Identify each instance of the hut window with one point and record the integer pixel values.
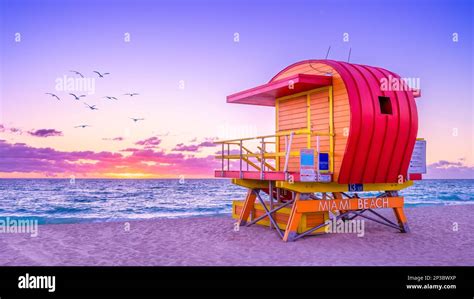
(385, 105)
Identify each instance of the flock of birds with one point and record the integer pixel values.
(94, 107)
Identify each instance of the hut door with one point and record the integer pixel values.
(292, 115)
(319, 116)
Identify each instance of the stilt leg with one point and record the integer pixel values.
(270, 195)
(293, 221)
(248, 206)
(402, 220)
(338, 195)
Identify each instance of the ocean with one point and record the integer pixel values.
(97, 200)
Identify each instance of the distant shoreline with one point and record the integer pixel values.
(68, 178)
(177, 178)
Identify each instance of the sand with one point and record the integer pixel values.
(211, 241)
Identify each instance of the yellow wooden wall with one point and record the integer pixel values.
(291, 115)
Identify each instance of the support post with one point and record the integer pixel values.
(228, 154)
(317, 153)
(287, 156)
(331, 130)
(399, 214)
(338, 195)
(248, 161)
(240, 173)
(262, 160)
(248, 206)
(293, 221)
(222, 169)
(402, 220)
(270, 194)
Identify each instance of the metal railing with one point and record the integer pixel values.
(262, 157)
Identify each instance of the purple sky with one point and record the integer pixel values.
(183, 60)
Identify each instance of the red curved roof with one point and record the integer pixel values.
(379, 146)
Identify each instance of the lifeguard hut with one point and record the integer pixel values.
(341, 130)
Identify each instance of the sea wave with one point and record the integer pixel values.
(89, 200)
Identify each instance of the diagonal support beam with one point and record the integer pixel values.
(385, 221)
(382, 217)
(355, 214)
(378, 221)
(309, 231)
(269, 215)
(271, 212)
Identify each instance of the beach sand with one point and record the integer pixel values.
(211, 241)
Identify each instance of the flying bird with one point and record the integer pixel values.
(111, 98)
(131, 94)
(77, 97)
(136, 119)
(82, 126)
(101, 75)
(93, 107)
(77, 73)
(54, 96)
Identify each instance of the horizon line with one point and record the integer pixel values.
(178, 178)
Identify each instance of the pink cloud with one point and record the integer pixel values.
(180, 147)
(231, 152)
(21, 158)
(449, 170)
(207, 143)
(114, 139)
(45, 133)
(445, 164)
(12, 130)
(130, 149)
(149, 142)
(16, 131)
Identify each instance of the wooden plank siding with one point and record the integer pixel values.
(292, 115)
(320, 119)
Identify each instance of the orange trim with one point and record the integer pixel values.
(294, 220)
(400, 214)
(349, 204)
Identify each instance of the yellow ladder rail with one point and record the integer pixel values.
(259, 159)
(251, 163)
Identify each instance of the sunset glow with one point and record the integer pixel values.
(163, 103)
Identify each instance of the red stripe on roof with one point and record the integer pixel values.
(265, 95)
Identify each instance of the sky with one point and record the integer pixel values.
(184, 57)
